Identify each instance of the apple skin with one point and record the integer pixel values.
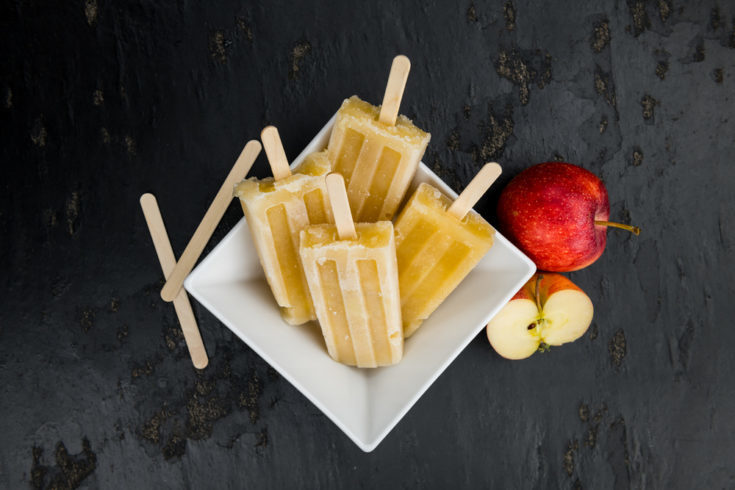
(549, 212)
(548, 285)
(565, 314)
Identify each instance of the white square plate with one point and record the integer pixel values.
(365, 403)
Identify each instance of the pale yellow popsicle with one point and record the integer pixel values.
(435, 251)
(354, 286)
(377, 155)
(277, 211)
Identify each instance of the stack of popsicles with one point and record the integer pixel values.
(329, 249)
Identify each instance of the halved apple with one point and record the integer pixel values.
(548, 310)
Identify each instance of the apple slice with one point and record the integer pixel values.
(548, 310)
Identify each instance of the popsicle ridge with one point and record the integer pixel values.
(338, 338)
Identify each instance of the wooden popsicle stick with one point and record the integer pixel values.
(275, 152)
(210, 221)
(475, 190)
(394, 90)
(168, 261)
(340, 207)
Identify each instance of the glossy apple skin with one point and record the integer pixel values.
(550, 283)
(549, 212)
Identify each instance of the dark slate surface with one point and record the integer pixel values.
(102, 101)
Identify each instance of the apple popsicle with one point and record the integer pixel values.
(376, 150)
(438, 242)
(277, 209)
(353, 279)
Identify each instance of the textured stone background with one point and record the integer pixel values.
(101, 101)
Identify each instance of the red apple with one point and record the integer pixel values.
(557, 213)
(548, 310)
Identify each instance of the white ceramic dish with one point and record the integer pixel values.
(365, 403)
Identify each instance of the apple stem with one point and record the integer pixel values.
(537, 297)
(633, 229)
(536, 293)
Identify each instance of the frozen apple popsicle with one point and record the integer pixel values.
(438, 242)
(277, 209)
(353, 279)
(376, 150)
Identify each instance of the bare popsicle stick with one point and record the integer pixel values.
(394, 90)
(475, 190)
(210, 221)
(168, 261)
(340, 207)
(274, 150)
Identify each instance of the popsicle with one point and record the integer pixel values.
(438, 242)
(376, 150)
(277, 208)
(353, 279)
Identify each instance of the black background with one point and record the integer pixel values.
(101, 101)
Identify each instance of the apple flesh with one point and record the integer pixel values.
(557, 214)
(548, 310)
